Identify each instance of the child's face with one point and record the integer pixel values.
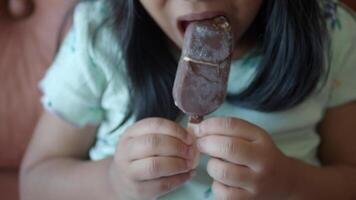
(173, 15)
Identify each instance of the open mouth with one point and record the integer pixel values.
(184, 21)
(183, 25)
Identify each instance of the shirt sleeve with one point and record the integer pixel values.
(73, 85)
(343, 60)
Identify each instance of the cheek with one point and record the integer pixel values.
(251, 9)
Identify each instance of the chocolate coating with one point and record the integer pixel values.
(201, 80)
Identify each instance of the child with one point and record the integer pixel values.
(111, 130)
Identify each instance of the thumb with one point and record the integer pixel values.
(193, 124)
(193, 128)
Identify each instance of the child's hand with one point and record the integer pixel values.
(153, 157)
(245, 164)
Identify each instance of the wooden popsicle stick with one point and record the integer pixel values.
(192, 124)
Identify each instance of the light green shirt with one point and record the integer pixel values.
(87, 84)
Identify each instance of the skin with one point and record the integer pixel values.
(241, 14)
(245, 163)
(161, 162)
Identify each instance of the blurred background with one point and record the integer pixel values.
(28, 39)
(29, 32)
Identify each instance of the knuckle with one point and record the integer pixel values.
(229, 148)
(228, 123)
(153, 167)
(152, 140)
(166, 185)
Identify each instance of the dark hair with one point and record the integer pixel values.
(293, 42)
(151, 67)
(294, 46)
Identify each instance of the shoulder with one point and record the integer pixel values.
(88, 17)
(87, 63)
(341, 20)
(342, 69)
(92, 11)
(342, 28)
(95, 35)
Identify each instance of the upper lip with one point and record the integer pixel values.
(196, 17)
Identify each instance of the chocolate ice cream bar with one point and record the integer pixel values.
(201, 80)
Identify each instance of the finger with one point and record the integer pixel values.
(158, 145)
(222, 192)
(230, 127)
(230, 174)
(158, 126)
(163, 185)
(232, 149)
(157, 167)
